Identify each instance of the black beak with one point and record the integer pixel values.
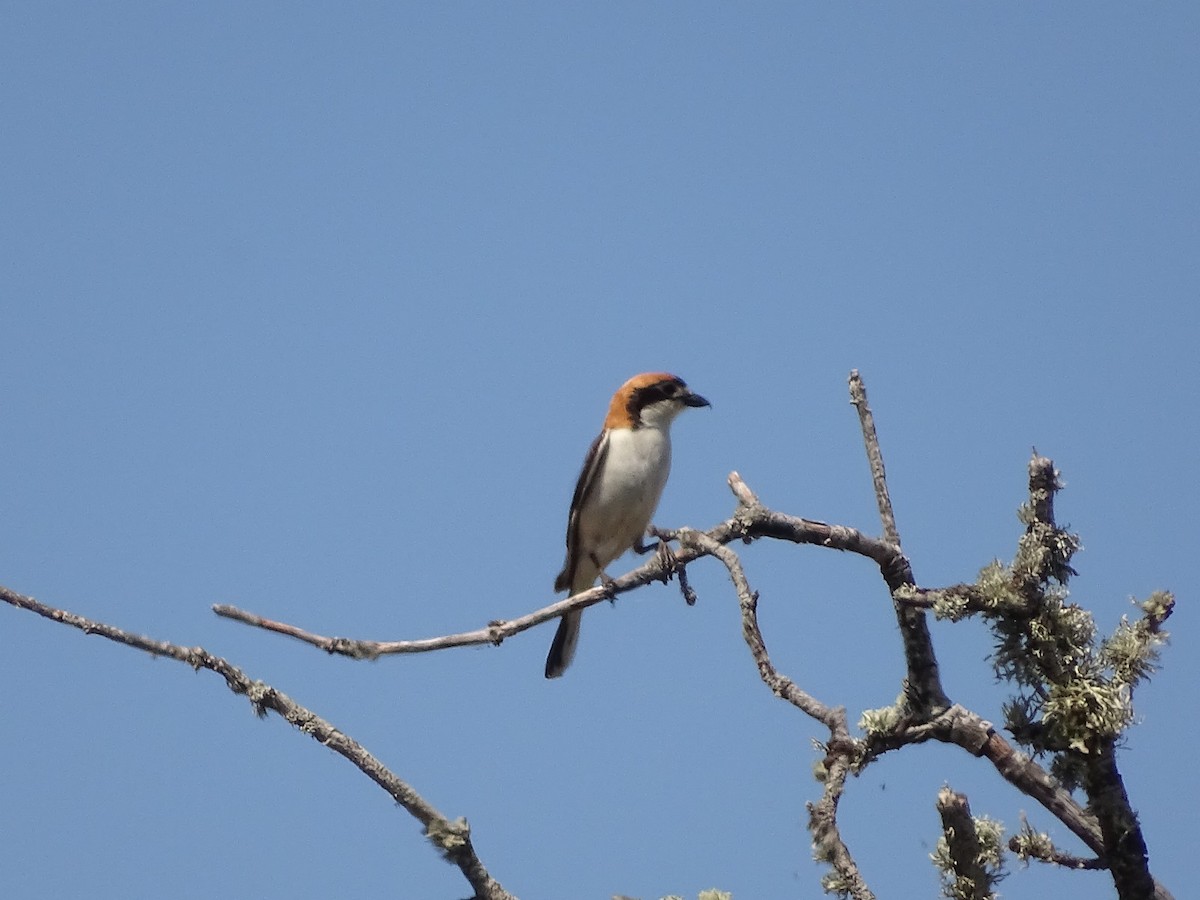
(695, 400)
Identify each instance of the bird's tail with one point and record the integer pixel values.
(562, 650)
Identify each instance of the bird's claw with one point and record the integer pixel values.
(666, 556)
(607, 582)
(666, 559)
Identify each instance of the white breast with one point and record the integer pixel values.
(626, 495)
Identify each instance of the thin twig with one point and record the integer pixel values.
(452, 838)
(858, 397)
(923, 686)
(828, 845)
(493, 633)
(833, 718)
(752, 520)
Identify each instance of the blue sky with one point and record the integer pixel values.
(314, 310)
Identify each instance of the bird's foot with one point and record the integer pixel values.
(607, 582)
(666, 556)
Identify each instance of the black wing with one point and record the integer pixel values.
(583, 488)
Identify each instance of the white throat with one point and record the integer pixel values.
(660, 414)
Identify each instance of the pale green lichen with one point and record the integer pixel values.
(950, 606)
(879, 722)
(882, 721)
(449, 837)
(1132, 651)
(1030, 844)
(835, 884)
(990, 859)
(1073, 692)
(996, 586)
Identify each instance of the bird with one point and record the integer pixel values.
(618, 490)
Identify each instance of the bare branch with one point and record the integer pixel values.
(751, 521)
(451, 838)
(828, 845)
(858, 397)
(685, 588)
(923, 686)
(781, 686)
(494, 633)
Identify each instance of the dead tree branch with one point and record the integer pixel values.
(923, 686)
(752, 520)
(966, 852)
(451, 838)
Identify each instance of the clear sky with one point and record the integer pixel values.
(315, 308)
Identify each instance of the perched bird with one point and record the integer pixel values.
(618, 490)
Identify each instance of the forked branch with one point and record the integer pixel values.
(451, 838)
(923, 686)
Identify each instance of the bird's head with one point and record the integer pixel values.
(652, 399)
